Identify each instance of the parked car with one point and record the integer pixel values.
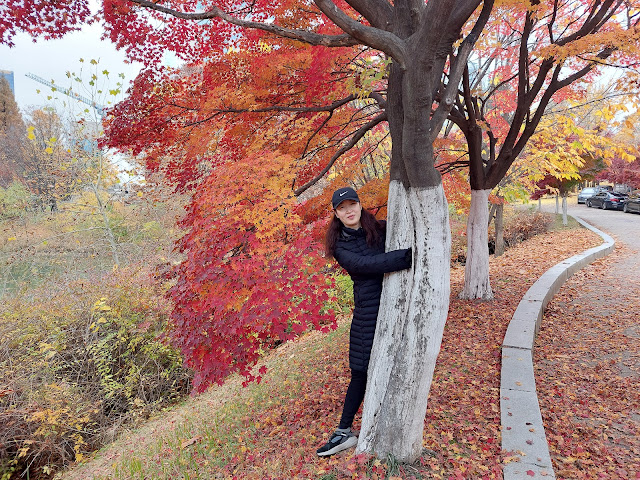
(606, 199)
(632, 202)
(586, 193)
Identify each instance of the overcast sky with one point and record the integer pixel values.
(52, 59)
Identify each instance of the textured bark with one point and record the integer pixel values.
(414, 304)
(564, 209)
(413, 311)
(476, 269)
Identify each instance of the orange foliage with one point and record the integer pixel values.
(251, 278)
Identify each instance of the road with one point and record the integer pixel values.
(624, 226)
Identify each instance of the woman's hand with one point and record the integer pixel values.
(408, 256)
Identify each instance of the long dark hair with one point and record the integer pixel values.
(372, 227)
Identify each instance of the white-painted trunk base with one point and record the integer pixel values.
(476, 269)
(413, 311)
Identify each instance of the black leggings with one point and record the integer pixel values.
(353, 398)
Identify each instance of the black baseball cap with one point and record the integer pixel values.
(342, 194)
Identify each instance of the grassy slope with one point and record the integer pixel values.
(271, 430)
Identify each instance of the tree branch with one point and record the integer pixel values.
(357, 136)
(594, 22)
(275, 108)
(306, 36)
(377, 12)
(374, 37)
(458, 64)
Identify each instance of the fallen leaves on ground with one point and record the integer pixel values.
(276, 433)
(587, 361)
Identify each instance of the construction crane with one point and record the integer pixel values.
(69, 92)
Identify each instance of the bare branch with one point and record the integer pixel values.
(374, 37)
(357, 136)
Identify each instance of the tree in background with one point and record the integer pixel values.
(624, 168)
(87, 168)
(534, 55)
(622, 172)
(61, 160)
(557, 186)
(45, 156)
(12, 135)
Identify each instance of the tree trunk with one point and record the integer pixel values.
(415, 302)
(499, 229)
(564, 209)
(413, 311)
(557, 209)
(476, 269)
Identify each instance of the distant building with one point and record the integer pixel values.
(9, 76)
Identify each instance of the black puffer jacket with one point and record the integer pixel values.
(366, 265)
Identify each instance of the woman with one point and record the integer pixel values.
(356, 239)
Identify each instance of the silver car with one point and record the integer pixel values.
(586, 193)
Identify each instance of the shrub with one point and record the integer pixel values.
(76, 364)
(521, 225)
(13, 200)
(343, 294)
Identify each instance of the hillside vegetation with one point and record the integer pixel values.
(82, 344)
(271, 430)
(84, 357)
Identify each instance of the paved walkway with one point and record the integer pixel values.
(587, 359)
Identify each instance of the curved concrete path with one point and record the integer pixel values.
(522, 428)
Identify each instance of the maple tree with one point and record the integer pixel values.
(622, 172)
(553, 185)
(534, 55)
(239, 156)
(47, 18)
(420, 56)
(262, 284)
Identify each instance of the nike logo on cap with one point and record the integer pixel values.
(341, 194)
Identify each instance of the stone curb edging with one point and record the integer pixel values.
(522, 428)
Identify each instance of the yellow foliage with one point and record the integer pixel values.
(64, 373)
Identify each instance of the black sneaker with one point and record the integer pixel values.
(339, 441)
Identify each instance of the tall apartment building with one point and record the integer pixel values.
(9, 76)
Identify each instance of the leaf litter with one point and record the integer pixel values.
(271, 430)
(587, 362)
